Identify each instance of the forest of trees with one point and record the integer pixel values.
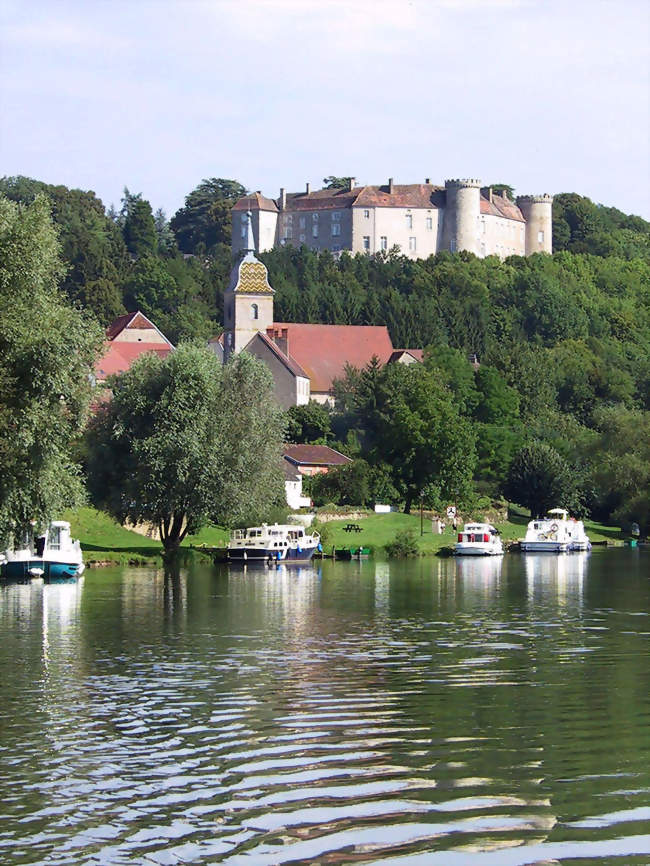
(563, 341)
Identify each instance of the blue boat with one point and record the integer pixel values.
(53, 555)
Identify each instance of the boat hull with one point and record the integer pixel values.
(22, 568)
(469, 549)
(261, 554)
(544, 546)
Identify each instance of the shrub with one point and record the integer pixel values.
(404, 545)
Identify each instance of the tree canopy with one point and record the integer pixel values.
(185, 441)
(47, 352)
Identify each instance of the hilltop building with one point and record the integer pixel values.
(421, 219)
(304, 359)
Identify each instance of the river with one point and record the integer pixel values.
(490, 712)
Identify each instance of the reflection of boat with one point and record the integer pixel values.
(51, 555)
(352, 552)
(479, 568)
(478, 539)
(555, 533)
(276, 543)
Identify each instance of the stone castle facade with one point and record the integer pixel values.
(420, 219)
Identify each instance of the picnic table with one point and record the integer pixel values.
(352, 527)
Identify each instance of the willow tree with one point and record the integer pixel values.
(185, 442)
(47, 352)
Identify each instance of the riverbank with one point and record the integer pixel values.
(105, 542)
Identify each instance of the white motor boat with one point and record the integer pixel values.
(54, 554)
(556, 533)
(478, 539)
(275, 543)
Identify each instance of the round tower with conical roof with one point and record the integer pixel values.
(462, 212)
(537, 210)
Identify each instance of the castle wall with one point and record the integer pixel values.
(414, 230)
(501, 237)
(327, 229)
(264, 224)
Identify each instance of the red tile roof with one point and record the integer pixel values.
(131, 320)
(322, 199)
(255, 201)
(418, 195)
(118, 357)
(323, 350)
(314, 455)
(418, 354)
(501, 207)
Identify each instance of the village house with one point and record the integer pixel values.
(314, 459)
(420, 219)
(127, 338)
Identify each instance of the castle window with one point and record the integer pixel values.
(429, 223)
(366, 243)
(484, 227)
(288, 233)
(302, 239)
(314, 230)
(452, 245)
(336, 216)
(383, 242)
(302, 222)
(289, 218)
(412, 244)
(243, 230)
(336, 229)
(409, 221)
(540, 237)
(366, 214)
(314, 217)
(336, 248)
(255, 313)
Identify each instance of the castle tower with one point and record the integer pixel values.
(462, 212)
(248, 300)
(537, 210)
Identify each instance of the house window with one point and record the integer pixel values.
(314, 230)
(302, 222)
(540, 237)
(336, 229)
(336, 216)
(366, 242)
(255, 313)
(412, 244)
(409, 221)
(383, 242)
(366, 214)
(429, 223)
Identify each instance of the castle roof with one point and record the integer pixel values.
(502, 207)
(414, 195)
(256, 201)
(323, 351)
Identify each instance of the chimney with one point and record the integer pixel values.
(282, 340)
(307, 188)
(283, 198)
(504, 193)
(427, 180)
(390, 185)
(351, 183)
(490, 195)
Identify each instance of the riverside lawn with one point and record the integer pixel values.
(103, 540)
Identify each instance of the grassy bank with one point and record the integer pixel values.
(104, 541)
(379, 529)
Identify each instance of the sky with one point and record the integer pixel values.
(156, 95)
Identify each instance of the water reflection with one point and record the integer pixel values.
(469, 712)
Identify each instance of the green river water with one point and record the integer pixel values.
(491, 712)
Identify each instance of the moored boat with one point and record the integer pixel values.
(478, 539)
(555, 533)
(52, 555)
(275, 543)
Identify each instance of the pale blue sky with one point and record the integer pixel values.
(157, 94)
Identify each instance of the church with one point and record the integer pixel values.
(304, 359)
